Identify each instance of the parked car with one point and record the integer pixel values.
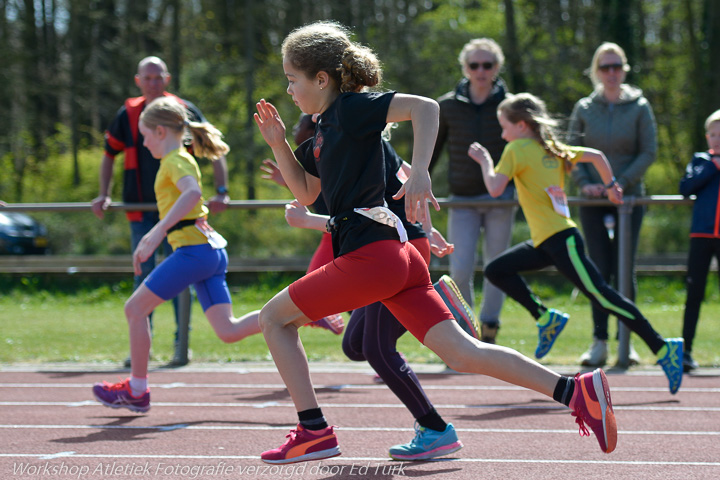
(21, 235)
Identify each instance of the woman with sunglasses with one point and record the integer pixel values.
(617, 119)
(467, 115)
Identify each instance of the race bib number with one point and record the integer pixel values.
(215, 240)
(385, 216)
(559, 200)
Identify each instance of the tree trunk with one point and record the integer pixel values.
(712, 71)
(75, 67)
(517, 80)
(175, 46)
(250, 173)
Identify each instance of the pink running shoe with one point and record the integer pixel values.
(303, 445)
(119, 395)
(591, 405)
(334, 323)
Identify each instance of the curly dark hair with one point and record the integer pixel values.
(326, 47)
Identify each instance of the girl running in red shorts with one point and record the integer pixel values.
(373, 260)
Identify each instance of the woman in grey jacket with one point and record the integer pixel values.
(617, 119)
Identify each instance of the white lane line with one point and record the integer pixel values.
(549, 406)
(275, 386)
(184, 426)
(53, 456)
(383, 460)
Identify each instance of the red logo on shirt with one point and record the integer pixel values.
(318, 145)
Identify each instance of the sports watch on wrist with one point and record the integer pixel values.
(222, 190)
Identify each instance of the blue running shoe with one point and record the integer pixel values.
(450, 293)
(550, 324)
(427, 444)
(670, 358)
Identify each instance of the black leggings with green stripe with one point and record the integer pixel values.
(566, 251)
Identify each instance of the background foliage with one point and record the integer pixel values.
(68, 65)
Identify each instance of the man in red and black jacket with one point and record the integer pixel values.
(140, 168)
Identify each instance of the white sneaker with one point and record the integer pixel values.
(596, 356)
(633, 356)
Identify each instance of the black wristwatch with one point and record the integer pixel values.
(222, 190)
(612, 182)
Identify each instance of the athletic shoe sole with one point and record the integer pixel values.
(453, 299)
(437, 452)
(131, 407)
(321, 455)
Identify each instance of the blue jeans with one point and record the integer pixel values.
(464, 227)
(137, 231)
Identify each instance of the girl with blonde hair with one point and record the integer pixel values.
(538, 164)
(199, 257)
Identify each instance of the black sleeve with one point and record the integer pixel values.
(365, 114)
(304, 156)
(117, 133)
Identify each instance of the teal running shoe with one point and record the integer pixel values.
(427, 444)
(670, 358)
(550, 324)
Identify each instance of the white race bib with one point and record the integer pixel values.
(215, 240)
(559, 200)
(385, 216)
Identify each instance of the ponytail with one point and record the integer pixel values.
(166, 111)
(207, 140)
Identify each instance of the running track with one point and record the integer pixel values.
(211, 422)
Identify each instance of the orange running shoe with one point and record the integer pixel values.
(591, 405)
(303, 445)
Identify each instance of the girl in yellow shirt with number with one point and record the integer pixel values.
(199, 257)
(538, 164)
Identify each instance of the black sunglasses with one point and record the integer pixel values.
(611, 66)
(484, 65)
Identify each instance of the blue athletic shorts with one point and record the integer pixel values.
(199, 265)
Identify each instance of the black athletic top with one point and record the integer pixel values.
(346, 153)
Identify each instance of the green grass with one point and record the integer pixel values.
(85, 323)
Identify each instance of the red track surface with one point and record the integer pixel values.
(213, 422)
